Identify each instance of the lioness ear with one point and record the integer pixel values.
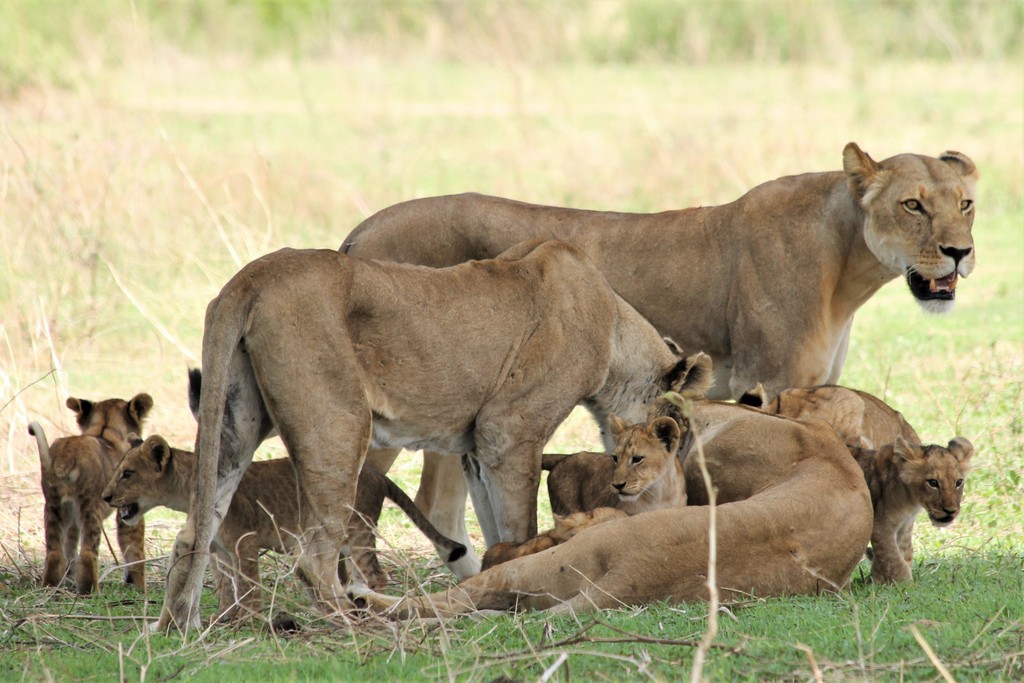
(962, 449)
(195, 389)
(862, 172)
(962, 164)
(159, 451)
(133, 439)
(81, 407)
(755, 398)
(690, 377)
(139, 406)
(672, 346)
(617, 425)
(667, 432)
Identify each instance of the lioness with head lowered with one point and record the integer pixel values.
(482, 360)
(793, 517)
(265, 513)
(767, 285)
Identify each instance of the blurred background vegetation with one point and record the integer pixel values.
(56, 41)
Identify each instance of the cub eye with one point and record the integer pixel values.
(615, 460)
(913, 206)
(959, 483)
(934, 483)
(637, 459)
(127, 474)
(966, 205)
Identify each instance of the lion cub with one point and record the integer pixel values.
(265, 512)
(74, 470)
(642, 474)
(566, 526)
(904, 478)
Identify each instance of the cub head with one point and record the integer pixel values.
(919, 212)
(140, 482)
(643, 454)
(113, 419)
(935, 476)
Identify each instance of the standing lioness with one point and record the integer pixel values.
(481, 360)
(767, 285)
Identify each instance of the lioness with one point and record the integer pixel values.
(566, 526)
(74, 470)
(767, 284)
(794, 518)
(904, 478)
(265, 513)
(335, 353)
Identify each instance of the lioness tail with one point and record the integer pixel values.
(447, 549)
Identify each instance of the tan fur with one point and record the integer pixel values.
(566, 526)
(860, 419)
(905, 478)
(641, 474)
(74, 470)
(265, 514)
(482, 360)
(794, 517)
(767, 285)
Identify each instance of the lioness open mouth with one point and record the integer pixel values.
(942, 289)
(128, 512)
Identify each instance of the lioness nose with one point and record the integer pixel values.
(955, 254)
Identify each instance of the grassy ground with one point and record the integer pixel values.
(133, 187)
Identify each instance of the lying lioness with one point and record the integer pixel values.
(74, 470)
(265, 513)
(480, 361)
(794, 517)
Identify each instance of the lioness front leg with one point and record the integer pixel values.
(506, 485)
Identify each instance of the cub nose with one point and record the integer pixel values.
(619, 487)
(107, 499)
(956, 254)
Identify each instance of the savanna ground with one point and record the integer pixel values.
(150, 149)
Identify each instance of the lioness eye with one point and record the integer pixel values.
(127, 474)
(966, 205)
(934, 483)
(637, 459)
(912, 205)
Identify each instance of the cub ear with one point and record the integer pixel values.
(905, 451)
(139, 407)
(862, 172)
(755, 398)
(617, 425)
(667, 432)
(81, 407)
(962, 449)
(690, 377)
(157, 449)
(962, 164)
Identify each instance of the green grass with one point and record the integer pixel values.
(168, 162)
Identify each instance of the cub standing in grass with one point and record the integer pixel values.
(74, 471)
(265, 513)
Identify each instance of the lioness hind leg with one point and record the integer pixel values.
(131, 540)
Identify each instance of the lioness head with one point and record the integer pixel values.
(919, 212)
(935, 476)
(139, 483)
(643, 453)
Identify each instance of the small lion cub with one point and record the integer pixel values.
(74, 470)
(642, 474)
(904, 478)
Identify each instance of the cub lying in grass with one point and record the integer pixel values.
(265, 513)
(643, 474)
(74, 470)
(903, 478)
